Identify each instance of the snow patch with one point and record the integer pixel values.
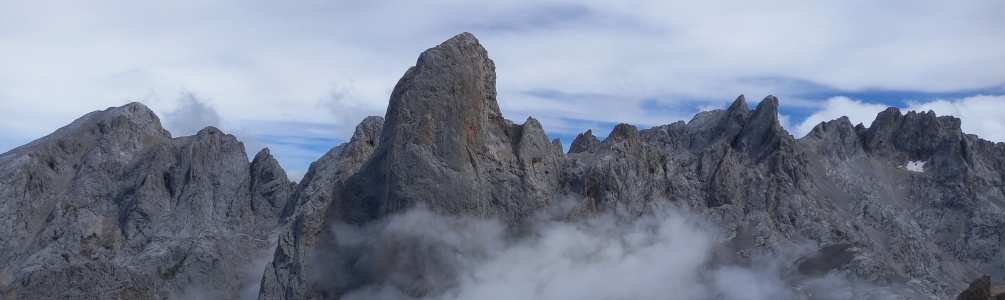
(916, 166)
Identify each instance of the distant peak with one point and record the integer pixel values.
(463, 49)
(263, 153)
(459, 62)
(135, 106)
(766, 112)
(739, 104)
(886, 118)
(891, 111)
(133, 111)
(624, 131)
(769, 103)
(624, 134)
(368, 130)
(531, 121)
(209, 130)
(462, 38)
(134, 116)
(915, 134)
(584, 142)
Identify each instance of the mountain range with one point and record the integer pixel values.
(443, 197)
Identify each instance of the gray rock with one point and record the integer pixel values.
(444, 136)
(270, 186)
(584, 142)
(292, 274)
(111, 207)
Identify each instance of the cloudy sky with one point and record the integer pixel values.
(296, 76)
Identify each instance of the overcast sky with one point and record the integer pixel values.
(296, 76)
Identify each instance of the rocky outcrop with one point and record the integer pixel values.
(112, 207)
(270, 186)
(444, 137)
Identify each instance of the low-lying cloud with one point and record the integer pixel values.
(670, 254)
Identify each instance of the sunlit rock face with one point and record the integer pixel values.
(445, 198)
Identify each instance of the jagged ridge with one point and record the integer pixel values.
(113, 194)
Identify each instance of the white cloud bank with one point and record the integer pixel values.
(983, 115)
(668, 255)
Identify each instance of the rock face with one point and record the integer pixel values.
(443, 142)
(112, 207)
(290, 275)
(444, 136)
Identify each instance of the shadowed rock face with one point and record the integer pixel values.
(112, 207)
(292, 273)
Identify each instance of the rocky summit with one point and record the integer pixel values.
(112, 206)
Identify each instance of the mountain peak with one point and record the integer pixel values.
(462, 39)
(740, 104)
(762, 133)
(443, 124)
(134, 114)
(914, 135)
(584, 142)
(768, 105)
(455, 79)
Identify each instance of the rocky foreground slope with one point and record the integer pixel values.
(112, 207)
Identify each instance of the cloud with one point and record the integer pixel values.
(191, 115)
(422, 254)
(347, 109)
(254, 271)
